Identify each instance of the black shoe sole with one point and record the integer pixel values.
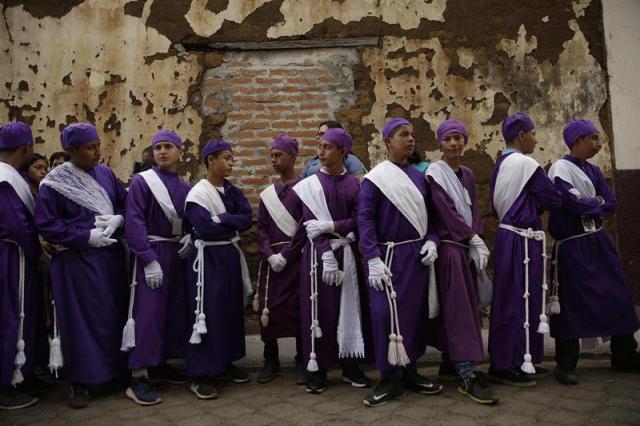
(382, 401)
(132, 396)
(194, 389)
(425, 391)
(356, 384)
(474, 398)
(528, 384)
(18, 407)
(316, 391)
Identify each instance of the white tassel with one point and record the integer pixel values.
(527, 365)
(17, 377)
(129, 335)
(20, 356)
(543, 326)
(201, 325)
(195, 336)
(264, 319)
(403, 358)
(55, 355)
(317, 331)
(392, 355)
(312, 366)
(554, 305)
(256, 303)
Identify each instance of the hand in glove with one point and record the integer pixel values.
(153, 275)
(216, 219)
(187, 245)
(277, 262)
(429, 253)
(315, 228)
(98, 239)
(478, 252)
(379, 274)
(109, 223)
(330, 273)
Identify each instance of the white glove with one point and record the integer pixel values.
(109, 223)
(330, 273)
(187, 245)
(379, 274)
(429, 253)
(478, 252)
(153, 275)
(216, 219)
(315, 228)
(98, 239)
(277, 262)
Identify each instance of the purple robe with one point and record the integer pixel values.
(16, 224)
(161, 314)
(461, 337)
(379, 221)
(223, 300)
(341, 194)
(284, 286)
(595, 299)
(506, 333)
(89, 284)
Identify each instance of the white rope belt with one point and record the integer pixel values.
(543, 327)
(264, 318)
(554, 300)
(20, 358)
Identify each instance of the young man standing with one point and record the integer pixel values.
(394, 225)
(277, 297)
(519, 190)
(19, 253)
(594, 297)
(157, 328)
(331, 297)
(80, 207)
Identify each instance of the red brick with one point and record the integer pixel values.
(282, 107)
(241, 99)
(302, 133)
(267, 134)
(255, 143)
(319, 105)
(263, 181)
(284, 71)
(263, 80)
(299, 116)
(284, 125)
(270, 116)
(287, 89)
(298, 81)
(239, 116)
(252, 107)
(302, 97)
(238, 80)
(256, 161)
(258, 125)
(267, 98)
(251, 89)
(243, 134)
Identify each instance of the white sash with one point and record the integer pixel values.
(515, 171)
(161, 194)
(79, 187)
(206, 195)
(278, 212)
(402, 192)
(17, 182)
(444, 176)
(350, 340)
(574, 176)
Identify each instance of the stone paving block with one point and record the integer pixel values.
(618, 415)
(563, 417)
(509, 419)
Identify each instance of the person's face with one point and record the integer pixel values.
(222, 164)
(589, 145)
(321, 130)
(37, 171)
(528, 141)
(57, 162)
(281, 161)
(329, 154)
(86, 156)
(147, 157)
(166, 154)
(402, 143)
(452, 146)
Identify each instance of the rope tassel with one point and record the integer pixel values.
(56, 361)
(129, 330)
(20, 357)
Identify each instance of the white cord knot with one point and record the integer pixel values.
(199, 244)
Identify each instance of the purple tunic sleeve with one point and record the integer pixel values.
(52, 227)
(602, 189)
(575, 205)
(264, 244)
(349, 224)
(548, 198)
(368, 202)
(238, 218)
(16, 224)
(135, 224)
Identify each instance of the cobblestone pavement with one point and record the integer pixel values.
(602, 397)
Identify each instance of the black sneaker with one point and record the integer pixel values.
(301, 372)
(236, 375)
(355, 377)
(316, 382)
(168, 374)
(78, 396)
(204, 388)
(540, 372)
(565, 376)
(269, 371)
(513, 377)
(142, 393)
(476, 388)
(13, 399)
(415, 382)
(386, 390)
(447, 372)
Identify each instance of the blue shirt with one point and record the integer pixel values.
(352, 163)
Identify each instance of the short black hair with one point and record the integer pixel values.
(148, 150)
(56, 155)
(331, 124)
(35, 157)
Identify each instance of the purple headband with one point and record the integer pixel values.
(285, 143)
(451, 126)
(15, 134)
(78, 134)
(167, 136)
(214, 146)
(392, 125)
(339, 137)
(578, 129)
(518, 122)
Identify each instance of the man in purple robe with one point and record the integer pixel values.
(157, 329)
(462, 254)
(80, 207)
(277, 299)
(395, 226)
(520, 191)
(335, 325)
(594, 297)
(219, 283)
(19, 253)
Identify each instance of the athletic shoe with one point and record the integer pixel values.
(355, 377)
(513, 377)
(204, 388)
(78, 396)
(316, 382)
(415, 382)
(565, 376)
(166, 373)
(540, 372)
(386, 390)
(142, 393)
(476, 388)
(12, 399)
(236, 375)
(269, 371)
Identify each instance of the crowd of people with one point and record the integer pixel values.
(358, 266)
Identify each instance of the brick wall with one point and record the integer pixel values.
(254, 96)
